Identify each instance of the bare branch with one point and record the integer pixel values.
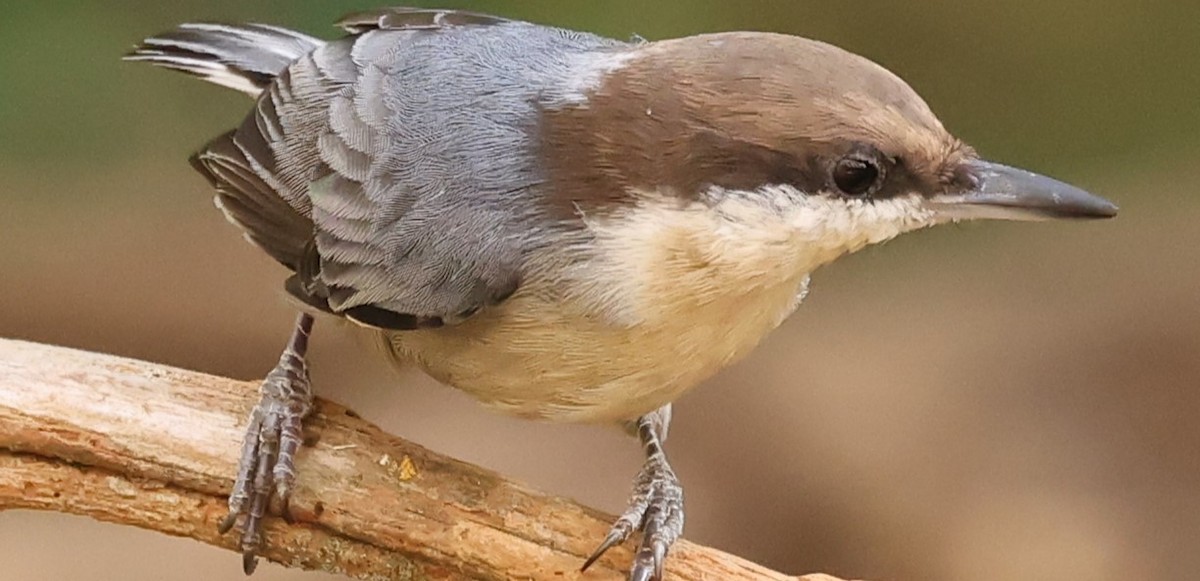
(154, 447)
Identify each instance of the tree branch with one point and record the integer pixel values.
(154, 447)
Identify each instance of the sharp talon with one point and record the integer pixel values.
(285, 510)
(227, 523)
(641, 572)
(660, 557)
(249, 563)
(614, 537)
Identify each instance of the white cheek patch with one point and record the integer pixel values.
(757, 245)
(801, 232)
(830, 226)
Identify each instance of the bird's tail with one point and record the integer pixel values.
(245, 57)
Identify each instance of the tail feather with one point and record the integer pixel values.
(244, 57)
(240, 164)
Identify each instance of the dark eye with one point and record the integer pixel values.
(855, 176)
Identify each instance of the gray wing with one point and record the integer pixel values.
(428, 204)
(409, 194)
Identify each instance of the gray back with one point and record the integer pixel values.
(413, 153)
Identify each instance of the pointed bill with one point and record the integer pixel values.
(1009, 193)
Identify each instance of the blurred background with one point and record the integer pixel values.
(979, 402)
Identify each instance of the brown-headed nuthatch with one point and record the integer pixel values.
(566, 227)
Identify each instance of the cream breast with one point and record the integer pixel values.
(672, 292)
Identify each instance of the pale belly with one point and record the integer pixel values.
(653, 300)
(537, 359)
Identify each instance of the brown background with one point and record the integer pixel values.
(978, 402)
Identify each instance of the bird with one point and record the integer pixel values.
(565, 226)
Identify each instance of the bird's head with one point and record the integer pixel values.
(806, 136)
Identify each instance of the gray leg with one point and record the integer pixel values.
(270, 444)
(656, 506)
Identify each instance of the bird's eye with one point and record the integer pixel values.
(855, 176)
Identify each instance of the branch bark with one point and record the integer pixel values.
(155, 447)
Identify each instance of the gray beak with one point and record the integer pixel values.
(1009, 193)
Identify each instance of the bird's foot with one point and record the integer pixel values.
(655, 508)
(269, 449)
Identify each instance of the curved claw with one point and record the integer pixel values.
(285, 509)
(615, 537)
(660, 557)
(648, 564)
(643, 572)
(249, 562)
(227, 523)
